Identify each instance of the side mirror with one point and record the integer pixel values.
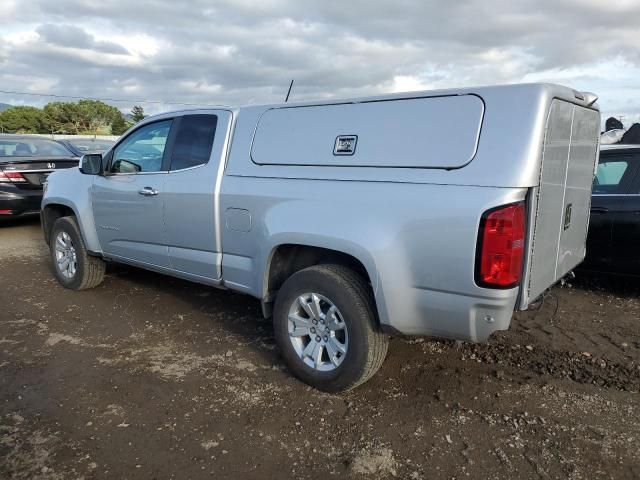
(91, 164)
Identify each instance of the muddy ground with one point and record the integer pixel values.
(152, 377)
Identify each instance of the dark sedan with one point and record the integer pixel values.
(82, 146)
(25, 163)
(613, 243)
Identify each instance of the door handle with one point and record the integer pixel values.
(148, 191)
(599, 210)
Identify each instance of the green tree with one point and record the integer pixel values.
(62, 117)
(23, 120)
(137, 113)
(96, 115)
(118, 125)
(83, 117)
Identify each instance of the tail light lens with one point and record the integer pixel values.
(7, 177)
(501, 246)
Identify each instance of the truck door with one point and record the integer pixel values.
(626, 225)
(127, 200)
(609, 185)
(191, 192)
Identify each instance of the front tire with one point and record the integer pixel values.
(72, 265)
(325, 324)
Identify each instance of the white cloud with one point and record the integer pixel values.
(242, 51)
(139, 44)
(8, 9)
(409, 83)
(614, 80)
(20, 37)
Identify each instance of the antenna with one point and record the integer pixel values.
(289, 91)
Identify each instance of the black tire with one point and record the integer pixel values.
(352, 295)
(89, 271)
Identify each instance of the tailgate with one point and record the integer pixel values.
(561, 203)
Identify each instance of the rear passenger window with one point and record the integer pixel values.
(193, 141)
(610, 174)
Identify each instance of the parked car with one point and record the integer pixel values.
(82, 146)
(25, 163)
(350, 219)
(613, 244)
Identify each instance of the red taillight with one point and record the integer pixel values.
(501, 247)
(11, 177)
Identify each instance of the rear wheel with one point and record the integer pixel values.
(325, 324)
(72, 265)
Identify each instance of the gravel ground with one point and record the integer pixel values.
(152, 377)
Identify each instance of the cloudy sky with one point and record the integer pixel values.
(244, 51)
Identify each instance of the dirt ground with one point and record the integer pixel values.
(152, 377)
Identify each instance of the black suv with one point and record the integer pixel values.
(613, 243)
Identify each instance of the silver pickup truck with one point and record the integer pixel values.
(425, 213)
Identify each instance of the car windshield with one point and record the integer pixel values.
(90, 145)
(32, 147)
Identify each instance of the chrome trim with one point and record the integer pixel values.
(191, 168)
(620, 146)
(615, 194)
(148, 191)
(34, 171)
(113, 174)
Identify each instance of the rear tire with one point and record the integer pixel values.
(333, 342)
(72, 265)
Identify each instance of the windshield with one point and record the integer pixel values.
(32, 147)
(91, 145)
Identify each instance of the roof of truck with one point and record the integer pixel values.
(560, 91)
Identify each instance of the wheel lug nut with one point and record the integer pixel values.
(318, 338)
(322, 321)
(325, 338)
(313, 330)
(315, 322)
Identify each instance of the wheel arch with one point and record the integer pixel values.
(287, 258)
(58, 208)
(52, 212)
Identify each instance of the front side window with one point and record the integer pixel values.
(143, 150)
(609, 175)
(193, 141)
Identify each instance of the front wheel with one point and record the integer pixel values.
(325, 324)
(72, 265)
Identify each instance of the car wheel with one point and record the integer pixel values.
(325, 324)
(72, 265)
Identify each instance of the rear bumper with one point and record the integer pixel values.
(454, 315)
(14, 201)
